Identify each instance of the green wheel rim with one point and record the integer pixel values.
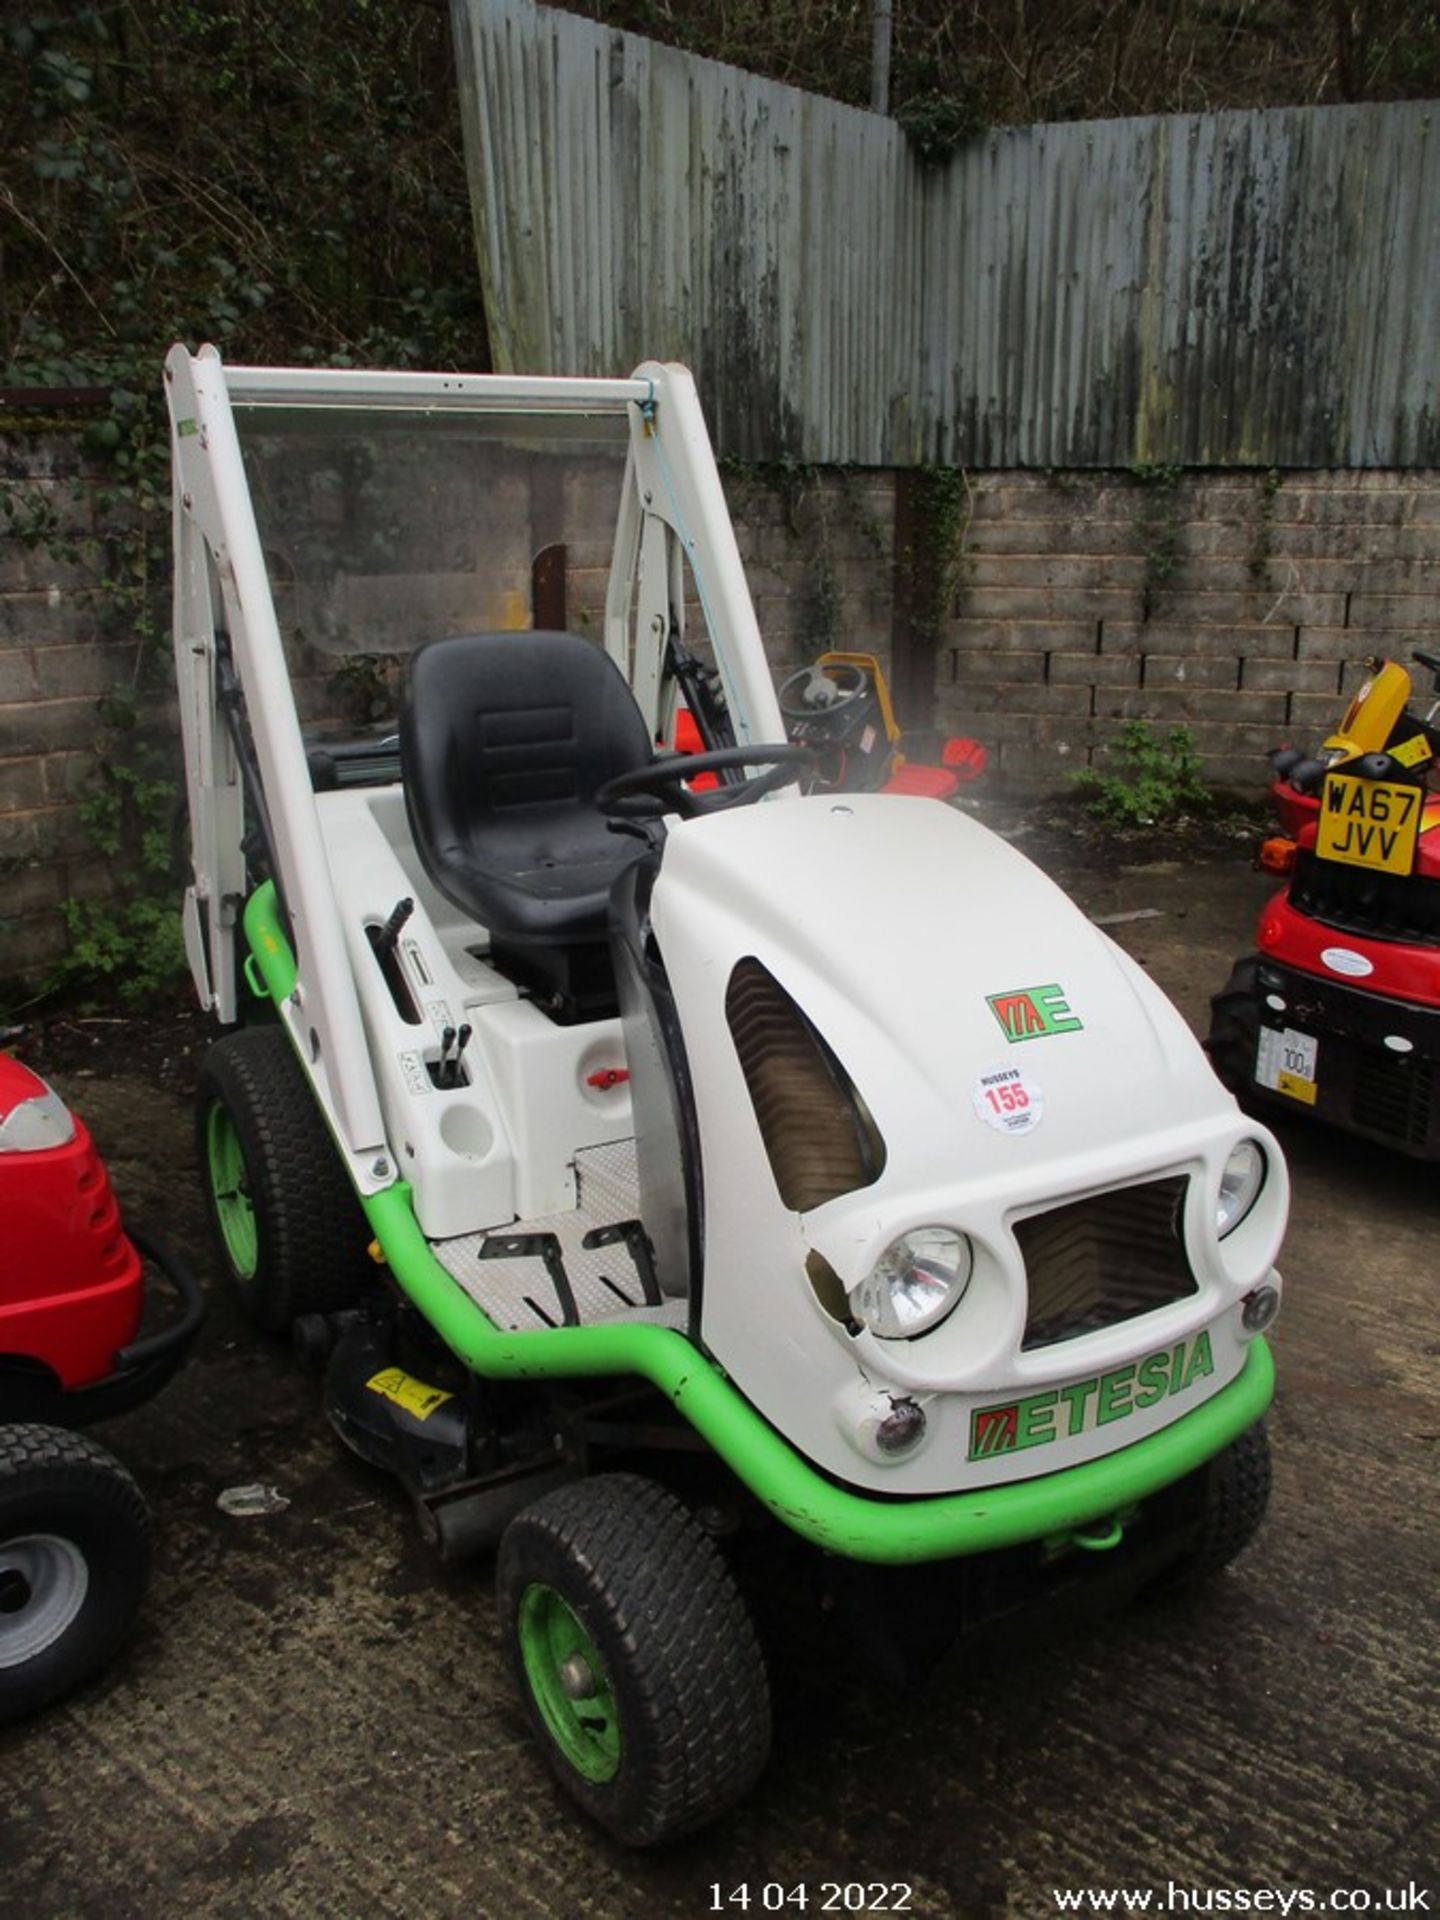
(230, 1189)
(570, 1684)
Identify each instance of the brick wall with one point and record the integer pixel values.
(62, 651)
(1237, 605)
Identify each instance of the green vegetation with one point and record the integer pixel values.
(284, 179)
(959, 68)
(1158, 779)
(1159, 526)
(943, 504)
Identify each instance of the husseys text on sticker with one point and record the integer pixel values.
(1007, 1101)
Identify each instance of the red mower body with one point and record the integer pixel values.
(72, 1281)
(71, 1286)
(1336, 1015)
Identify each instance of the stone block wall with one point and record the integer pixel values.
(1240, 606)
(66, 652)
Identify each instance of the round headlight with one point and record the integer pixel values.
(1240, 1185)
(915, 1283)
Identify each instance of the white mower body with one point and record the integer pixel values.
(1005, 1061)
(892, 922)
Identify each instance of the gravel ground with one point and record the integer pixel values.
(314, 1717)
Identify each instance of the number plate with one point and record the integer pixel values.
(1369, 823)
(1285, 1062)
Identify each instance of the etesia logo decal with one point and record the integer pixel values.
(1028, 1013)
(1064, 1412)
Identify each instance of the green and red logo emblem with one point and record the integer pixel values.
(1029, 1013)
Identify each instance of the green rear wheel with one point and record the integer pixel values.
(230, 1191)
(568, 1681)
(639, 1667)
(288, 1226)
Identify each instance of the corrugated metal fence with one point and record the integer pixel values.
(1234, 288)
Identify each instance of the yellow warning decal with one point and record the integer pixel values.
(1412, 751)
(1297, 1088)
(406, 1391)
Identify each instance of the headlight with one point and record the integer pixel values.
(1240, 1185)
(915, 1283)
(34, 1124)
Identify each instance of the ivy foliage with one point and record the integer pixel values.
(959, 66)
(282, 177)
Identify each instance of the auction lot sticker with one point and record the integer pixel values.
(1008, 1100)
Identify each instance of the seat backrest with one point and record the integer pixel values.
(505, 739)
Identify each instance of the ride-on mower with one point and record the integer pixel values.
(1335, 1015)
(74, 1528)
(660, 1172)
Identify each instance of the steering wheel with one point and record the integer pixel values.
(815, 690)
(663, 779)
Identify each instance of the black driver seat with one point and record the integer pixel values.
(505, 739)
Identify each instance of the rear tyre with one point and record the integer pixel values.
(638, 1664)
(1235, 1027)
(288, 1227)
(1237, 1493)
(74, 1560)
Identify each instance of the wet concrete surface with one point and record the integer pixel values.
(314, 1718)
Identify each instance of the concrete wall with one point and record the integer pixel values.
(1237, 605)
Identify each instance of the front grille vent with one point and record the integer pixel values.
(818, 1132)
(1392, 1097)
(1103, 1260)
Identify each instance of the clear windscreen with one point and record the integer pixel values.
(385, 528)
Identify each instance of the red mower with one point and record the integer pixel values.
(74, 1528)
(1337, 1014)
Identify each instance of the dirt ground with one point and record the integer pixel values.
(314, 1718)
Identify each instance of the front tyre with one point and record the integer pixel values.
(289, 1229)
(74, 1560)
(639, 1667)
(1236, 1496)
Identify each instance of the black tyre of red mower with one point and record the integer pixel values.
(70, 1512)
(659, 1604)
(1235, 1027)
(312, 1238)
(1236, 1496)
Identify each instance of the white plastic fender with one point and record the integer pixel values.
(894, 923)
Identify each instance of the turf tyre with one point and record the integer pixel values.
(654, 1607)
(1236, 1496)
(1235, 1028)
(74, 1563)
(290, 1233)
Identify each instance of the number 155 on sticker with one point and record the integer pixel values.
(1008, 1100)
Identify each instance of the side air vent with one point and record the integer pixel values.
(817, 1130)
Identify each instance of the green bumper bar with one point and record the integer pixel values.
(859, 1526)
(938, 1527)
